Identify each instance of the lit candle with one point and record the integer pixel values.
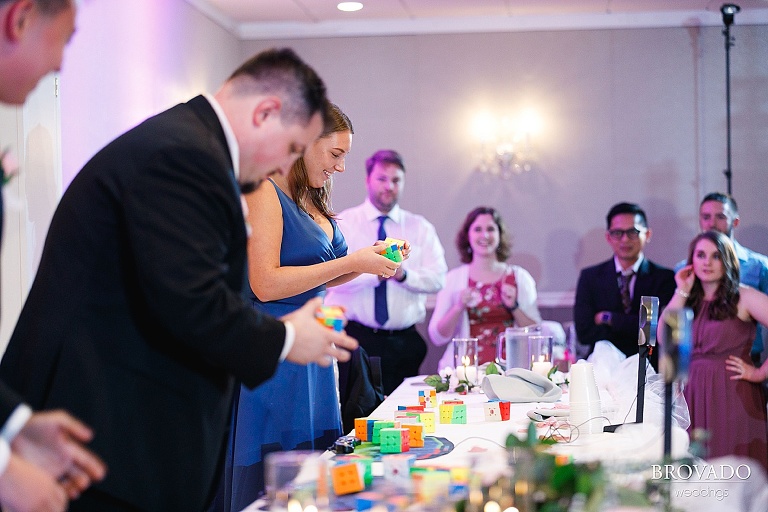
(461, 372)
(471, 372)
(541, 367)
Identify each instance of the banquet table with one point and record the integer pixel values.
(628, 453)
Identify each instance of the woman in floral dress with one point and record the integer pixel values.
(486, 294)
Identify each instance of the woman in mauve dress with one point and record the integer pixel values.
(724, 390)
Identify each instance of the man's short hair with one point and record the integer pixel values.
(283, 73)
(386, 156)
(48, 7)
(720, 197)
(622, 208)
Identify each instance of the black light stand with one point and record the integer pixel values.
(646, 340)
(674, 361)
(728, 11)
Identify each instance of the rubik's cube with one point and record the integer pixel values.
(453, 411)
(430, 484)
(365, 461)
(410, 408)
(364, 429)
(397, 468)
(332, 317)
(391, 503)
(496, 410)
(428, 398)
(426, 418)
(394, 250)
(415, 434)
(394, 440)
(377, 426)
(347, 477)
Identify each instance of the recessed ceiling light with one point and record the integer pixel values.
(349, 6)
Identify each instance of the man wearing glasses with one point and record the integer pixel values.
(608, 294)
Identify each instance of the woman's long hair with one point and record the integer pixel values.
(462, 237)
(298, 182)
(726, 301)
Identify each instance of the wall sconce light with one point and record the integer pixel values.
(505, 143)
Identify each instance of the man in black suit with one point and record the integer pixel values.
(135, 321)
(600, 311)
(42, 460)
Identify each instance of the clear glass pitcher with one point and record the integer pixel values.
(512, 346)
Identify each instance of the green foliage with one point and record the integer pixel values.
(437, 382)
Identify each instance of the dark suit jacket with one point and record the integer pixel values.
(9, 400)
(598, 290)
(135, 322)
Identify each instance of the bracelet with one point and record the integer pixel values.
(513, 308)
(681, 293)
(405, 274)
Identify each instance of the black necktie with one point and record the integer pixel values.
(626, 300)
(380, 292)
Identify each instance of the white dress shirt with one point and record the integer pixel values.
(425, 267)
(234, 154)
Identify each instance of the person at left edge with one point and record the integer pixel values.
(43, 462)
(135, 321)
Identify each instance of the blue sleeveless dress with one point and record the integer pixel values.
(298, 408)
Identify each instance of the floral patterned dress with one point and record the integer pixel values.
(488, 317)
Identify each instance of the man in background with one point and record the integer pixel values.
(719, 212)
(135, 321)
(608, 295)
(383, 313)
(42, 460)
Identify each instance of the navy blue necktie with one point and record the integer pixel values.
(380, 292)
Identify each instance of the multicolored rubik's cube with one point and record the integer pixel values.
(397, 467)
(453, 411)
(366, 461)
(394, 250)
(415, 434)
(391, 503)
(428, 398)
(394, 440)
(496, 410)
(331, 317)
(426, 418)
(364, 428)
(378, 425)
(347, 477)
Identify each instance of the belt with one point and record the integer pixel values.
(382, 332)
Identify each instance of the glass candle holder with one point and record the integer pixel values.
(465, 359)
(540, 350)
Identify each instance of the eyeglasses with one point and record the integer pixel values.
(632, 233)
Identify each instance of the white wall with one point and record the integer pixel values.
(635, 114)
(130, 60)
(127, 61)
(31, 133)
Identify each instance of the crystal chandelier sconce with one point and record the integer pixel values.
(505, 144)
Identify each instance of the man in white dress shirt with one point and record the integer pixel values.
(383, 313)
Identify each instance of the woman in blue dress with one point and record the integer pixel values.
(295, 250)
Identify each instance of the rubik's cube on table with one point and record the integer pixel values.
(496, 410)
(428, 398)
(453, 411)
